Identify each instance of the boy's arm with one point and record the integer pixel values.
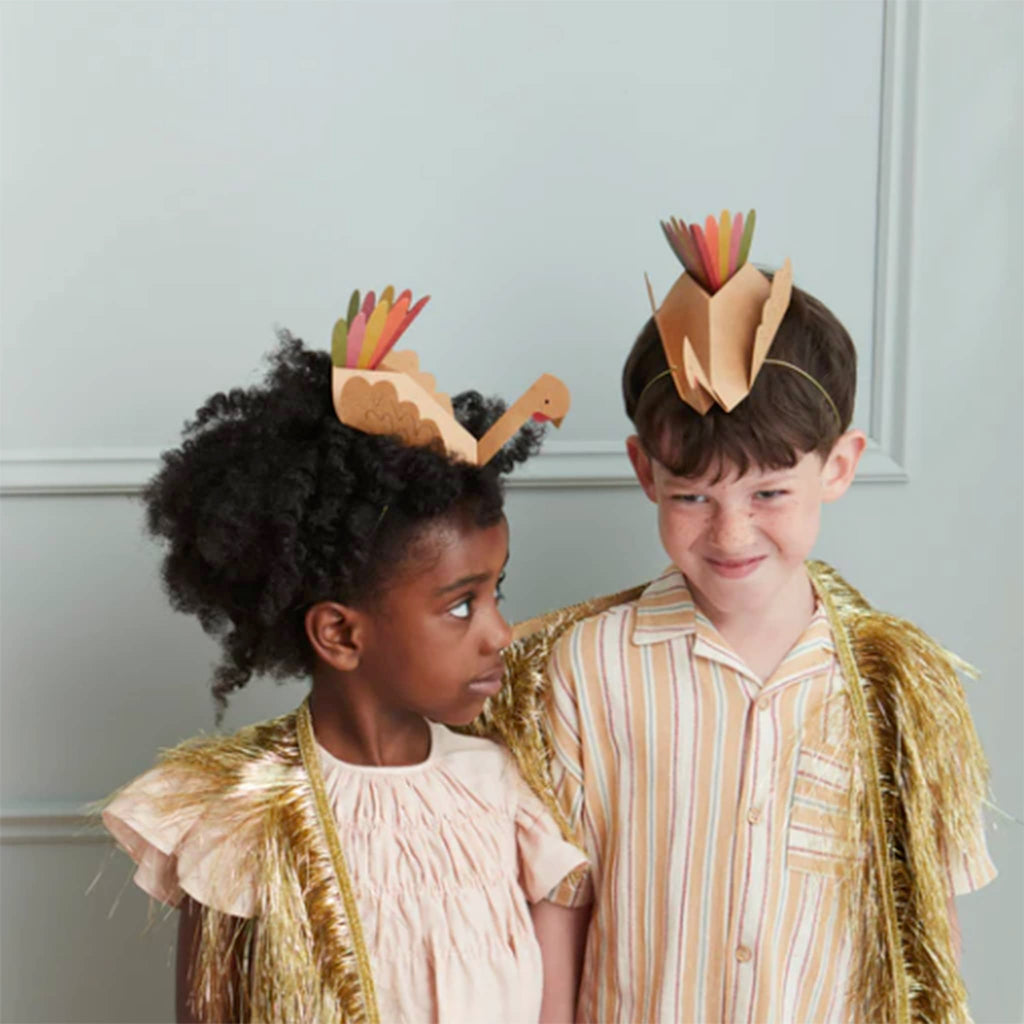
(562, 934)
(562, 726)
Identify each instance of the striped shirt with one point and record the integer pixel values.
(714, 809)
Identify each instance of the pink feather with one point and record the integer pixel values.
(356, 330)
(734, 243)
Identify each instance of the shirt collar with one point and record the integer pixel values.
(666, 611)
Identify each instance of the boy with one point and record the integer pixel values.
(778, 788)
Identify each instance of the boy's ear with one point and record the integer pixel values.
(336, 633)
(840, 467)
(641, 466)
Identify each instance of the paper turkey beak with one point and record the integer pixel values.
(539, 417)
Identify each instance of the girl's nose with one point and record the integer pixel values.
(500, 633)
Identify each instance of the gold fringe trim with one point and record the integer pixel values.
(310, 758)
(931, 779)
(872, 814)
(296, 960)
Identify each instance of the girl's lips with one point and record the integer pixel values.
(735, 569)
(486, 687)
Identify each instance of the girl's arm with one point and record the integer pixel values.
(190, 923)
(562, 934)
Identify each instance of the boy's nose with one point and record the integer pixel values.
(732, 530)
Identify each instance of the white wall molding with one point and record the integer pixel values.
(894, 233)
(566, 464)
(50, 823)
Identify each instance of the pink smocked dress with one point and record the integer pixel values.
(443, 857)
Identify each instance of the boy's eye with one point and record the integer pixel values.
(689, 499)
(499, 594)
(463, 609)
(768, 495)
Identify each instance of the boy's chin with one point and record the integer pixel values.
(753, 592)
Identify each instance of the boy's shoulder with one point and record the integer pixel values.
(561, 620)
(865, 625)
(658, 609)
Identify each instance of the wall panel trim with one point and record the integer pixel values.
(568, 464)
(49, 823)
(563, 465)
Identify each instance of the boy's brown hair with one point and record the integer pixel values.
(783, 418)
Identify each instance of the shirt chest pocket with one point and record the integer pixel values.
(819, 837)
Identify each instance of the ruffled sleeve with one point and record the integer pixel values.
(545, 858)
(184, 841)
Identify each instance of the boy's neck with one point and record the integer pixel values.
(763, 636)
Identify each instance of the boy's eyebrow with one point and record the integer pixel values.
(468, 581)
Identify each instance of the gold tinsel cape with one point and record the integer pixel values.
(920, 782)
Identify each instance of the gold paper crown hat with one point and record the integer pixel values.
(720, 317)
(380, 391)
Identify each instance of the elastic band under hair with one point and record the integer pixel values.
(824, 394)
(653, 380)
(775, 362)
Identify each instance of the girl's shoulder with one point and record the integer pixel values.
(194, 822)
(461, 752)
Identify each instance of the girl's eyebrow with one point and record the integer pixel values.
(463, 581)
(468, 581)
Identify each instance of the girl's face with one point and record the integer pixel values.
(433, 644)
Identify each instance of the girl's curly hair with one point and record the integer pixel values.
(271, 504)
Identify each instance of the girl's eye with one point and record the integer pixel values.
(463, 609)
(499, 594)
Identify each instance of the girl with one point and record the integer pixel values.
(353, 860)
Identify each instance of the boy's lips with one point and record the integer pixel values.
(735, 568)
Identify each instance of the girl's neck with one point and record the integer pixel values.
(360, 732)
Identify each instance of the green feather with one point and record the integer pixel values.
(339, 343)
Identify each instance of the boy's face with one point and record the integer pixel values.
(740, 540)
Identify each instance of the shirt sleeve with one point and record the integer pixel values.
(970, 867)
(182, 844)
(563, 727)
(546, 860)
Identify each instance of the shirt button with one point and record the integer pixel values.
(754, 815)
(743, 954)
(763, 703)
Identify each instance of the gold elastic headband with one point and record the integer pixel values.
(817, 383)
(774, 362)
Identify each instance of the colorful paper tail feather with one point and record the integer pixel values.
(714, 254)
(371, 328)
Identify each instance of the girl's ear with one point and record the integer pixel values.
(840, 467)
(336, 633)
(641, 466)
